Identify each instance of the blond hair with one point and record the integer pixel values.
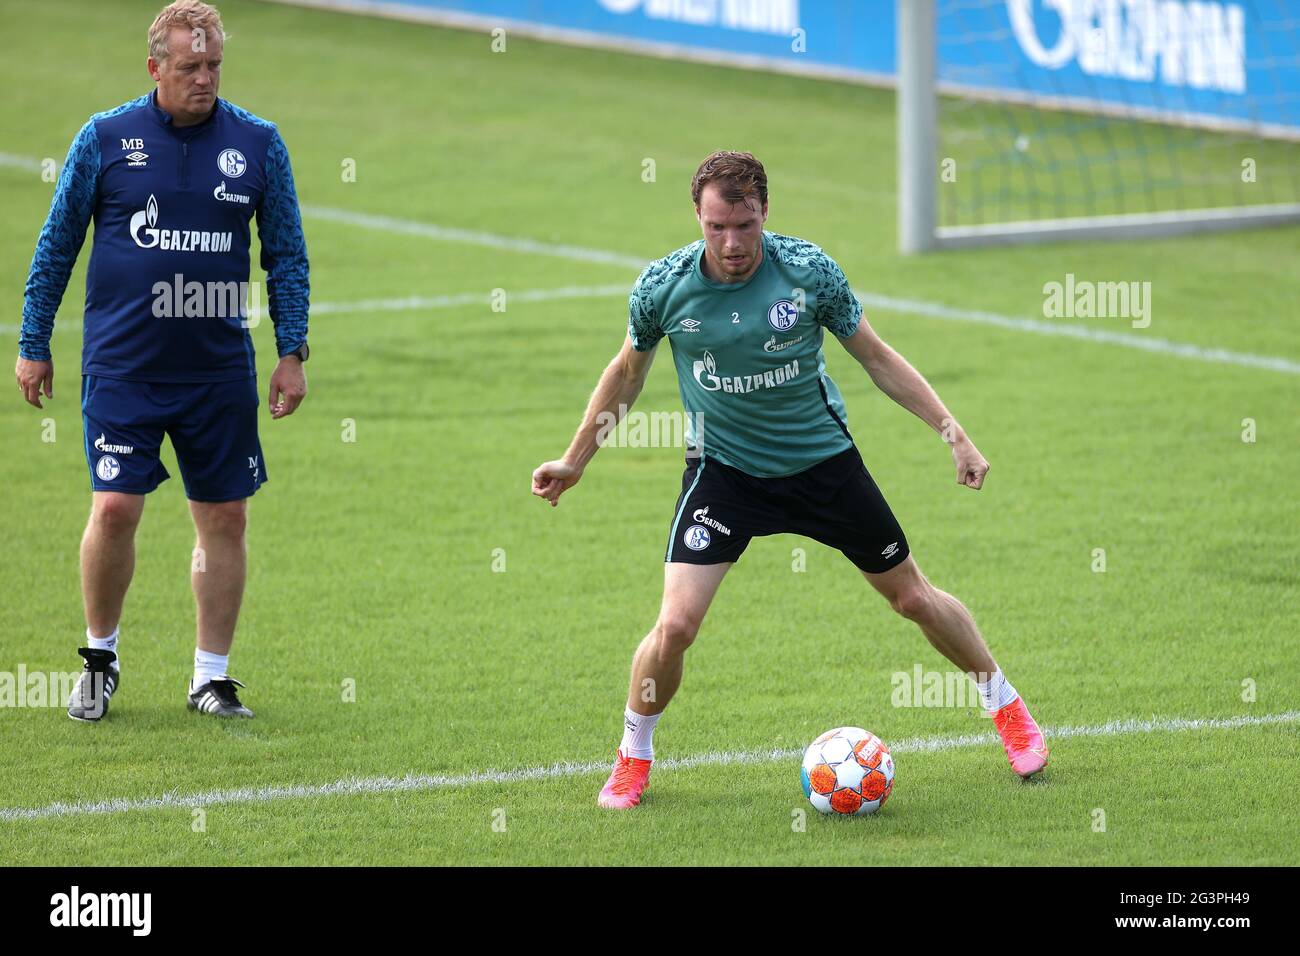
(191, 14)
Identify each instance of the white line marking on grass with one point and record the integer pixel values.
(1126, 339)
(416, 303)
(474, 237)
(934, 310)
(353, 786)
(27, 163)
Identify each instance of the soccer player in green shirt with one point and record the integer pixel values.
(769, 450)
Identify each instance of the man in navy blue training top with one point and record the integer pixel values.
(172, 180)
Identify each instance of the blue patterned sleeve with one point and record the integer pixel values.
(59, 244)
(284, 250)
(838, 309)
(643, 316)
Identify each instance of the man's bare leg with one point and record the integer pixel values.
(657, 664)
(108, 558)
(944, 620)
(948, 625)
(107, 563)
(657, 673)
(217, 577)
(218, 572)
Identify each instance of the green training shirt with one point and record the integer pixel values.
(749, 355)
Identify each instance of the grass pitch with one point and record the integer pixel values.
(372, 562)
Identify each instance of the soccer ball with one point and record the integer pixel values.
(848, 771)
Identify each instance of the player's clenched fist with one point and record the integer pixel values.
(554, 478)
(32, 377)
(971, 465)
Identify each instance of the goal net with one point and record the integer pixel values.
(1038, 120)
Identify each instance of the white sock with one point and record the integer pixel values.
(207, 666)
(638, 734)
(996, 692)
(104, 644)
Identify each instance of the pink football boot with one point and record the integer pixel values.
(625, 785)
(1021, 738)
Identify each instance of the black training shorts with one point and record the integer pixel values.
(835, 502)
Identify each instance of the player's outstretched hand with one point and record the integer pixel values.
(971, 465)
(554, 478)
(32, 377)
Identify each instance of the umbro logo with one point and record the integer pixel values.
(890, 551)
(137, 158)
(691, 325)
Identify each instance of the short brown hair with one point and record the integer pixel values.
(738, 175)
(191, 14)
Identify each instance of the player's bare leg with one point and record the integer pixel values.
(107, 564)
(944, 620)
(950, 628)
(657, 673)
(657, 665)
(217, 577)
(108, 558)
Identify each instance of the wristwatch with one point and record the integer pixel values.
(300, 353)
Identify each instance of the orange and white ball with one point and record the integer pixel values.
(848, 771)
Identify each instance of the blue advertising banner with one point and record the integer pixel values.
(1216, 62)
(1230, 64)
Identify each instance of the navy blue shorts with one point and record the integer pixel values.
(835, 502)
(212, 426)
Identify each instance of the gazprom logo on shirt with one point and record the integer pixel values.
(147, 236)
(220, 193)
(705, 372)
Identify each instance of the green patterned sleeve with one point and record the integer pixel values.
(837, 307)
(643, 316)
